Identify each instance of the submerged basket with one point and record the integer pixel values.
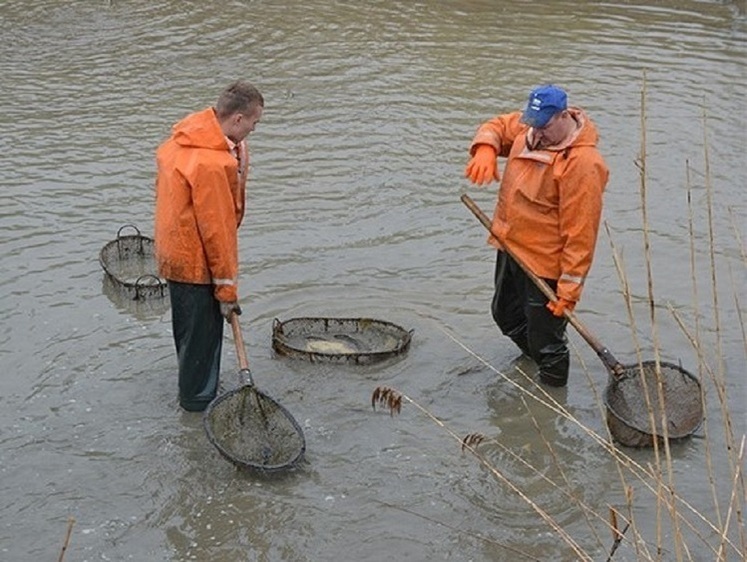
(129, 261)
(344, 340)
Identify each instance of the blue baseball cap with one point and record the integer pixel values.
(543, 103)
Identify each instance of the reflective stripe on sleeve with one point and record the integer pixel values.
(230, 282)
(572, 279)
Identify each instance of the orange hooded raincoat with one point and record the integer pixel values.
(550, 201)
(200, 197)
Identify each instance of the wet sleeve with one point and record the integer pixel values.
(216, 222)
(499, 132)
(581, 188)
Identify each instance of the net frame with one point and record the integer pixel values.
(248, 408)
(632, 398)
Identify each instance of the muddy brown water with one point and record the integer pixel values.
(353, 211)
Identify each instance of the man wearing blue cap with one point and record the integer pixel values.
(548, 213)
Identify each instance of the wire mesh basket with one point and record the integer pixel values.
(129, 262)
(343, 340)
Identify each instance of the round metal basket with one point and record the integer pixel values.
(343, 340)
(129, 262)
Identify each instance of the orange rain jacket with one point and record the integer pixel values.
(550, 201)
(200, 197)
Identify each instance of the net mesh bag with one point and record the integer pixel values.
(253, 431)
(633, 398)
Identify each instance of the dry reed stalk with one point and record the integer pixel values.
(740, 480)
(617, 534)
(654, 332)
(738, 236)
(730, 442)
(473, 535)
(671, 503)
(644, 475)
(641, 163)
(618, 262)
(70, 523)
(696, 313)
(740, 460)
(546, 517)
(738, 308)
(720, 380)
(721, 392)
(585, 510)
(629, 506)
(682, 548)
(718, 383)
(655, 475)
(620, 464)
(734, 500)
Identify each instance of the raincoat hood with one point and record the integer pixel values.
(586, 134)
(200, 130)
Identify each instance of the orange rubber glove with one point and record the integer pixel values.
(482, 167)
(559, 307)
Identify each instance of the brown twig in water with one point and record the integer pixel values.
(70, 523)
(386, 396)
(617, 534)
(472, 440)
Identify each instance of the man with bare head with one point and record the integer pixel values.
(200, 198)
